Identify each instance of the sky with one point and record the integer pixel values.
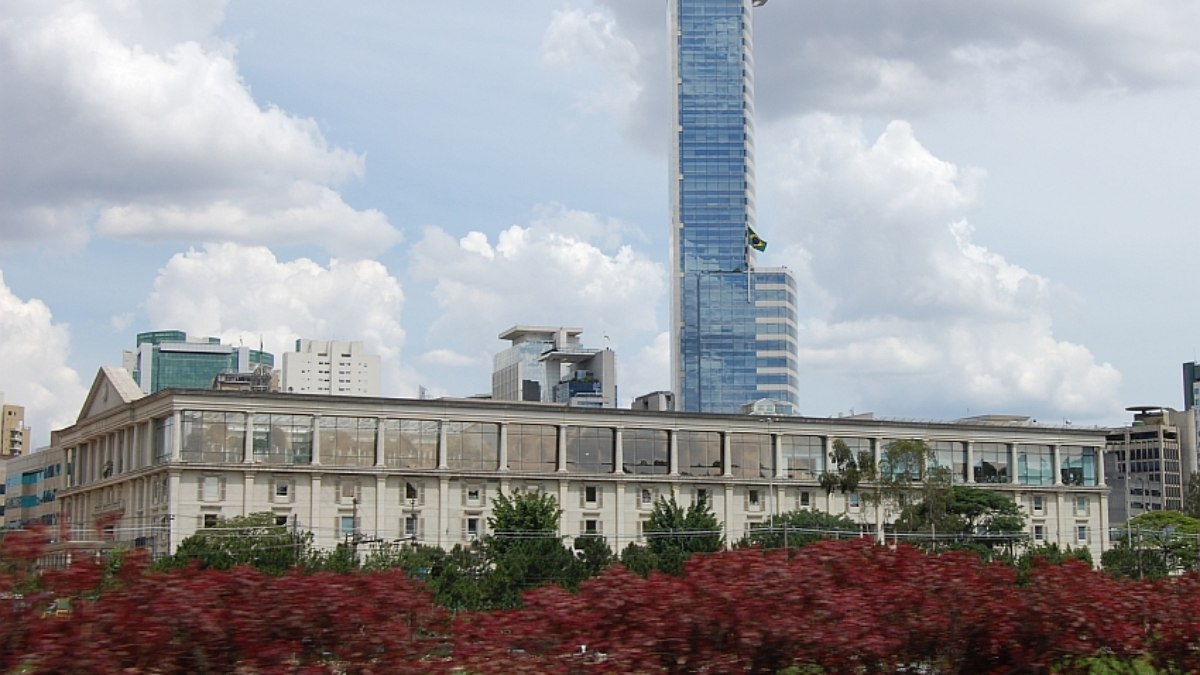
(987, 205)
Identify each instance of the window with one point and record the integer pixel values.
(347, 441)
(283, 439)
(411, 493)
(752, 455)
(1039, 533)
(1039, 503)
(647, 497)
(281, 490)
(1081, 505)
(410, 444)
(213, 436)
(754, 500)
(951, 455)
(590, 449)
(991, 463)
(346, 526)
(805, 499)
(590, 494)
(473, 446)
(699, 453)
(474, 495)
(411, 528)
(1035, 464)
(347, 490)
(590, 526)
(1081, 533)
(803, 456)
(701, 495)
(211, 519)
(472, 527)
(532, 448)
(212, 489)
(645, 451)
(281, 519)
(1078, 465)
(854, 500)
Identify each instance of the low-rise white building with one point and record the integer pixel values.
(156, 468)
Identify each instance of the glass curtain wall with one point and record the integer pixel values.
(533, 448)
(213, 436)
(646, 451)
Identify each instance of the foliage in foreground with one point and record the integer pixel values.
(833, 607)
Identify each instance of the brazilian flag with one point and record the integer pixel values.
(756, 242)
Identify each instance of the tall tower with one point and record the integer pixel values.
(733, 327)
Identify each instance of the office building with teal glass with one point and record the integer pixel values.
(733, 326)
(167, 359)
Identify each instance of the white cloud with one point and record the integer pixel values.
(33, 370)
(590, 44)
(245, 294)
(136, 119)
(453, 359)
(645, 370)
(545, 273)
(909, 310)
(909, 58)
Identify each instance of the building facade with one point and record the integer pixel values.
(551, 365)
(31, 484)
(167, 359)
(14, 435)
(1148, 462)
(729, 322)
(157, 468)
(330, 367)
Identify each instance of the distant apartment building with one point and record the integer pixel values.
(330, 367)
(31, 483)
(1148, 462)
(14, 435)
(167, 359)
(551, 365)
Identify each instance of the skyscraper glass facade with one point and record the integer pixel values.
(723, 327)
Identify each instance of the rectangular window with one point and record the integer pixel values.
(411, 493)
(347, 441)
(647, 497)
(701, 495)
(345, 526)
(1039, 503)
(410, 444)
(803, 456)
(591, 526)
(805, 499)
(1081, 505)
(281, 519)
(589, 494)
(1081, 533)
(473, 446)
(347, 490)
(1039, 533)
(474, 496)
(699, 453)
(854, 500)
(645, 451)
(410, 525)
(532, 448)
(283, 490)
(210, 519)
(473, 526)
(590, 449)
(213, 436)
(752, 455)
(991, 463)
(212, 488)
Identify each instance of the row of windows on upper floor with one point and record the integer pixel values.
(403, 443)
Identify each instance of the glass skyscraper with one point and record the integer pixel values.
(734, 327)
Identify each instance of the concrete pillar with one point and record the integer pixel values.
(503, 447)
(618, 451)
(970, 462)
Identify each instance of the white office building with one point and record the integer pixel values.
(330, 367)
(157, 468)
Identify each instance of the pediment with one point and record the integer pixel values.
(112, 388)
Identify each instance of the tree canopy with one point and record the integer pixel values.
(255, 540)
(797, 528)
(673, 533)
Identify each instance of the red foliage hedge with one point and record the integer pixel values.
(842, 607)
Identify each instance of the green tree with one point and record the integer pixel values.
(255, 540)
(848, 469)
(797, 528)
(972, 518)
(673, 534)
(524, 549)
(1154, 544)
(594, 553)
(1049, 554)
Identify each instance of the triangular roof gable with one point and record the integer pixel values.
(112, 388)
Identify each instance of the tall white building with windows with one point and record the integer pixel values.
(330, 367)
